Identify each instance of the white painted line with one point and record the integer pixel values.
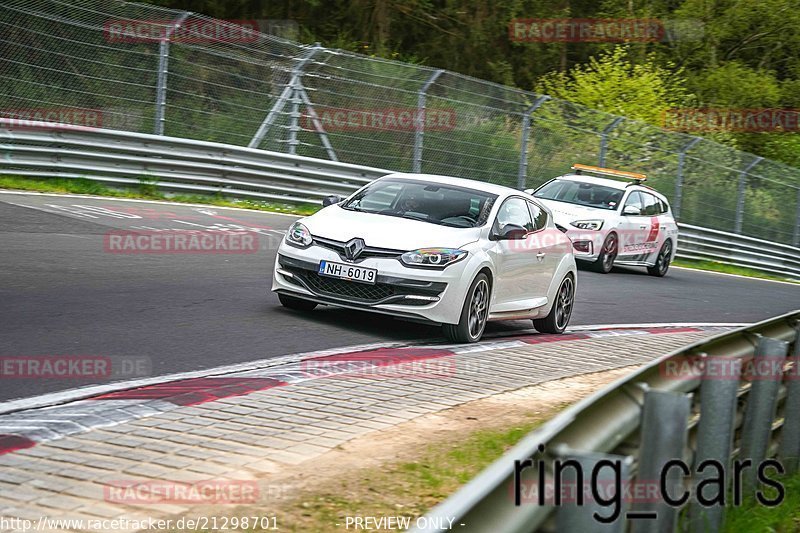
(136, 200)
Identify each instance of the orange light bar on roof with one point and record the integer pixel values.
(577, 167)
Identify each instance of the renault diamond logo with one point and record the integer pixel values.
(353, 249)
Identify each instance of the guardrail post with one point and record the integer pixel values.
(522, 174)
(789, 451)
(761, 402)
(604, 139)
(288, 92)
(718, 399)
(573, 517)
(678, 200)
(161, 82)
(665, 419)
(419, 123)
(740, 195)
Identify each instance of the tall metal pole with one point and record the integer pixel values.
(604, 139)
(288, 92)
(522, 174)
(740, 197)
(416, 164)
(676, 204)
(161, 83)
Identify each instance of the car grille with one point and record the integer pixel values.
(348, 289)
(384, 291)
(369, 251)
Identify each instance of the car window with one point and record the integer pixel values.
(635, 199)
(514, 211)
(538, 215)
(446, 205)
(581, 193)
(652, 205)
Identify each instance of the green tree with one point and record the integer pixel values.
(613, 83)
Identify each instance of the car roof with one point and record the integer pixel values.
(616, 184)
(492, 188)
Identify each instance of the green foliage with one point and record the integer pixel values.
(614, 83)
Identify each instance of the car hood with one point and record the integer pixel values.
(382, 231)
(564, 213)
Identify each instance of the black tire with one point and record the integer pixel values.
(557, 320)
(298, 304)
(605, 261)
(659, 270)
(473, 314)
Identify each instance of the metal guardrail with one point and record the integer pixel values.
(173, 164)
(190, 166)
(643, 421)
(706, 244)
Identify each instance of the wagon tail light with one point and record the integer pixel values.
(432, 257)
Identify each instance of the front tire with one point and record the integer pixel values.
(473, 314)
(659, 270)
(605, 261)
(298, 304)
(557, 320)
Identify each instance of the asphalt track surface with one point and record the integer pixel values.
(63, 294)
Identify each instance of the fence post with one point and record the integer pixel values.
(761, 402)
(294, 120)
(665, 419)
(573, 517)
(740, 196)
(796, 238)
(718, 399)
(789, 451)
(676, 204)
(522, 173)
(604, 139)
(419, 126)
(288, 91)
(161, 83)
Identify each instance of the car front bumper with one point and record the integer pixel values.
(430, 295)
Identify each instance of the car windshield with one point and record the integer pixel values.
(445, 205)
(581, 193)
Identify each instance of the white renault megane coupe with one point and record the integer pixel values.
(444, 250)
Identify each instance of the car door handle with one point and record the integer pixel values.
(643, 227)
(540, 255)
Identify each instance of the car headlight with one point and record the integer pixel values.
(298, 235)
(587, 224)
(433, 257)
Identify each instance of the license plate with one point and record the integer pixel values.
(348, 272)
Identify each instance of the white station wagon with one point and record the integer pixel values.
(612, 222)
(446, 250)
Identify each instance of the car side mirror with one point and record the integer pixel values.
(631, 210)
(330, 200)
(511, 232)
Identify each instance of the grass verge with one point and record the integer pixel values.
(713, 266)
(146, 191)
(753, 516)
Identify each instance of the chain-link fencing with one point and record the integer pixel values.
(143, 68)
